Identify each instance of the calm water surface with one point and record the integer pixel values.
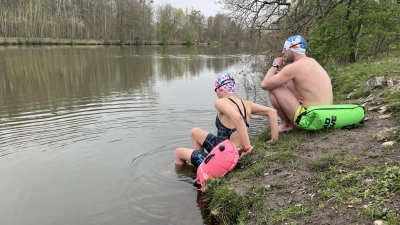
(88, 134)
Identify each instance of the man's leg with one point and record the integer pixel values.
(284, 120)
(286, 103)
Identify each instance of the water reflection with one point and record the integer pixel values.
(87, 134)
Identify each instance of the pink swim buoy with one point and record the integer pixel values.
(222, 159)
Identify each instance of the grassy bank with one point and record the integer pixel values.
(59, 41)
(327, 177)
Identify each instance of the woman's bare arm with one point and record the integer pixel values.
(272, 117)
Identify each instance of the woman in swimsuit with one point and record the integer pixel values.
(232, 122)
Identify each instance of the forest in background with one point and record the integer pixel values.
(133, 21)
(336, 30)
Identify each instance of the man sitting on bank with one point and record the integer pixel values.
(301, 84)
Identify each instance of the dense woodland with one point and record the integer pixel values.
(339, 30)
(136, 21)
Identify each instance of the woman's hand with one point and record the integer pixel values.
(246, 150)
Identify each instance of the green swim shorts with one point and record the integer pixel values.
(298, 115)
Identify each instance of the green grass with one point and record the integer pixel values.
(351, 77)
(394, 103)
(286, 213)
(373, 187)
(229, 206)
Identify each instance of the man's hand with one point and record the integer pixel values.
(280, 61)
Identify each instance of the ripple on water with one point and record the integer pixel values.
(43, 128)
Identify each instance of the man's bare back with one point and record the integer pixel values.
(311, 81)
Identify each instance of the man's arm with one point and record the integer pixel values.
(273, 78)
(266, 84)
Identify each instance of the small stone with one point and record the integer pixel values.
(369, 98)
(390, 83)
(388, 143)
(370, 84)
(385, 116)
(378, 222)
(385, 134)
(215, 212)
(368, 180)
(382, 109)
(373, 108)
(349, 95)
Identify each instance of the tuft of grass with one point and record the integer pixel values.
(233, 208)
(394, 103)
(285, 214)
(372, 188)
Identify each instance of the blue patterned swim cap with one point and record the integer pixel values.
(296, 44)
(225, 83)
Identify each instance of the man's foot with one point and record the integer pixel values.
(285, 127)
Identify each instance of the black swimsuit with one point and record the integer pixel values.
(211, 140)
(225, 133)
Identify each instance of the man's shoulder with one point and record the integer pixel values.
(305, 59)
(306, 62)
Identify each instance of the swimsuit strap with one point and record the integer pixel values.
(240, 111)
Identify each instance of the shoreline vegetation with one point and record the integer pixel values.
(60, 41)
(325, 177)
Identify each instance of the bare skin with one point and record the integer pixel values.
(229, 115)
(303, 82)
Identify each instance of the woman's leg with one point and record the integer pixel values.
(182, 155)
(198, 136)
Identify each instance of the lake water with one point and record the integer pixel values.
(88, 134)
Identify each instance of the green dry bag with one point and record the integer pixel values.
(331, 116)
